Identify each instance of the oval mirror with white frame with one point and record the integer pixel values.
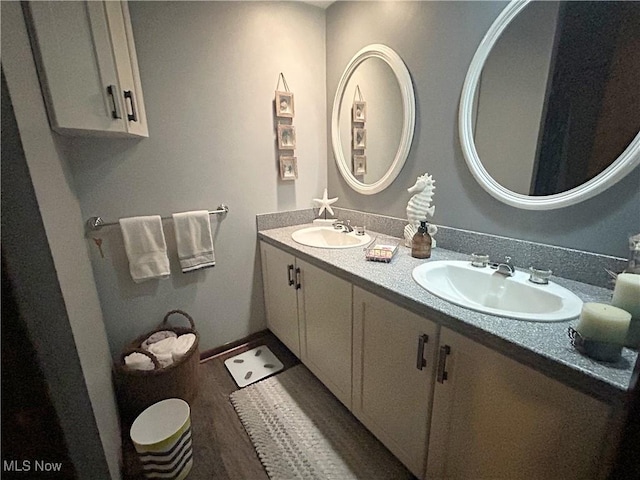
(527, 141)
(376, 78)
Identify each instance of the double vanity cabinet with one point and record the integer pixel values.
(446, 406)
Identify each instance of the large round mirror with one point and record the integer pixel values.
(373, 119)
(550, 108)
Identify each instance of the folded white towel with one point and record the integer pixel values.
(138, 361)
(182, 345)
(146, 248)
(193, 239)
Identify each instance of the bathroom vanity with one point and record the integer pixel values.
(451, 392)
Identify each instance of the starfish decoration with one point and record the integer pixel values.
(325, 203)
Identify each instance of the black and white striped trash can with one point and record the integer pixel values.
(161, 435)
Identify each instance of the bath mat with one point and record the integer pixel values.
(301, 431)
(253, 365)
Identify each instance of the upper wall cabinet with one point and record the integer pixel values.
(88, 67)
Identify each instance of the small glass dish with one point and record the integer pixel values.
(381, 249)
(539, 276)
(479, 260)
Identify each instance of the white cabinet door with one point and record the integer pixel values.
(87, 63)
(279, 279)
(124, 52)
(324, 303)
(493, 418)
(393, 364)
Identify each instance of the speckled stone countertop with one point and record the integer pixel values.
(540, 345)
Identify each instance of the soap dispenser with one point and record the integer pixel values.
(421, 242)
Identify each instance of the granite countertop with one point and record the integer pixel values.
(544, 346)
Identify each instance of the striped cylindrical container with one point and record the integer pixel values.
(161, 435)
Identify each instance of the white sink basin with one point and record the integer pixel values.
(329, 237)
(485, 290)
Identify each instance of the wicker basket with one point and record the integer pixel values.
(139, 389)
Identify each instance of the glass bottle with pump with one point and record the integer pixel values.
(421, 242)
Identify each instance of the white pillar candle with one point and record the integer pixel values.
(604, 323)
(626, 294)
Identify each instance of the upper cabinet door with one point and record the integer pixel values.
(88, 67)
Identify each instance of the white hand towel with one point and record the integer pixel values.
(182, 345)
(193, 239)
(146, 248)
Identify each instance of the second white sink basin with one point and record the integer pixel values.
(329, 237)
(485, 290)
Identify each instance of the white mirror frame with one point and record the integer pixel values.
(408, 105)
(624, 164)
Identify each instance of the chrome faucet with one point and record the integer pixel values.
(505, 268)
(345, 225)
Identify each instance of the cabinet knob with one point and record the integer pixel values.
(442, 363)
(420, 361)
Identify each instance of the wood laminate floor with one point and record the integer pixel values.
(222, 449)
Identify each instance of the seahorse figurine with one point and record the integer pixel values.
(419, 207)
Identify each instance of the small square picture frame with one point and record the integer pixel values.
(359, 138)
(284, 104)
(288, 167)
(359, 112)
(359, 164)
(286, 137)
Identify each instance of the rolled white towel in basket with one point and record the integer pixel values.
(156, 337)
(182, 345)
(163, 351)
(138, 361)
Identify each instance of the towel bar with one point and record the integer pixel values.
(96, 223)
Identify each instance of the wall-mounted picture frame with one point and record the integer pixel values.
(288, 167)
(359, 112)
(359, 138)
(286, 137)
(284, 104)
(359, 164)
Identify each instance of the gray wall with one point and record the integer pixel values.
(209, 71)
(437, 40)
(511, 95)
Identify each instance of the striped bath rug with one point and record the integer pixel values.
(301, 431)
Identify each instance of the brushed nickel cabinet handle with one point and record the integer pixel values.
(442, 363)
(111, 91)
(133, 116)
(420, 361)
(290, 274)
